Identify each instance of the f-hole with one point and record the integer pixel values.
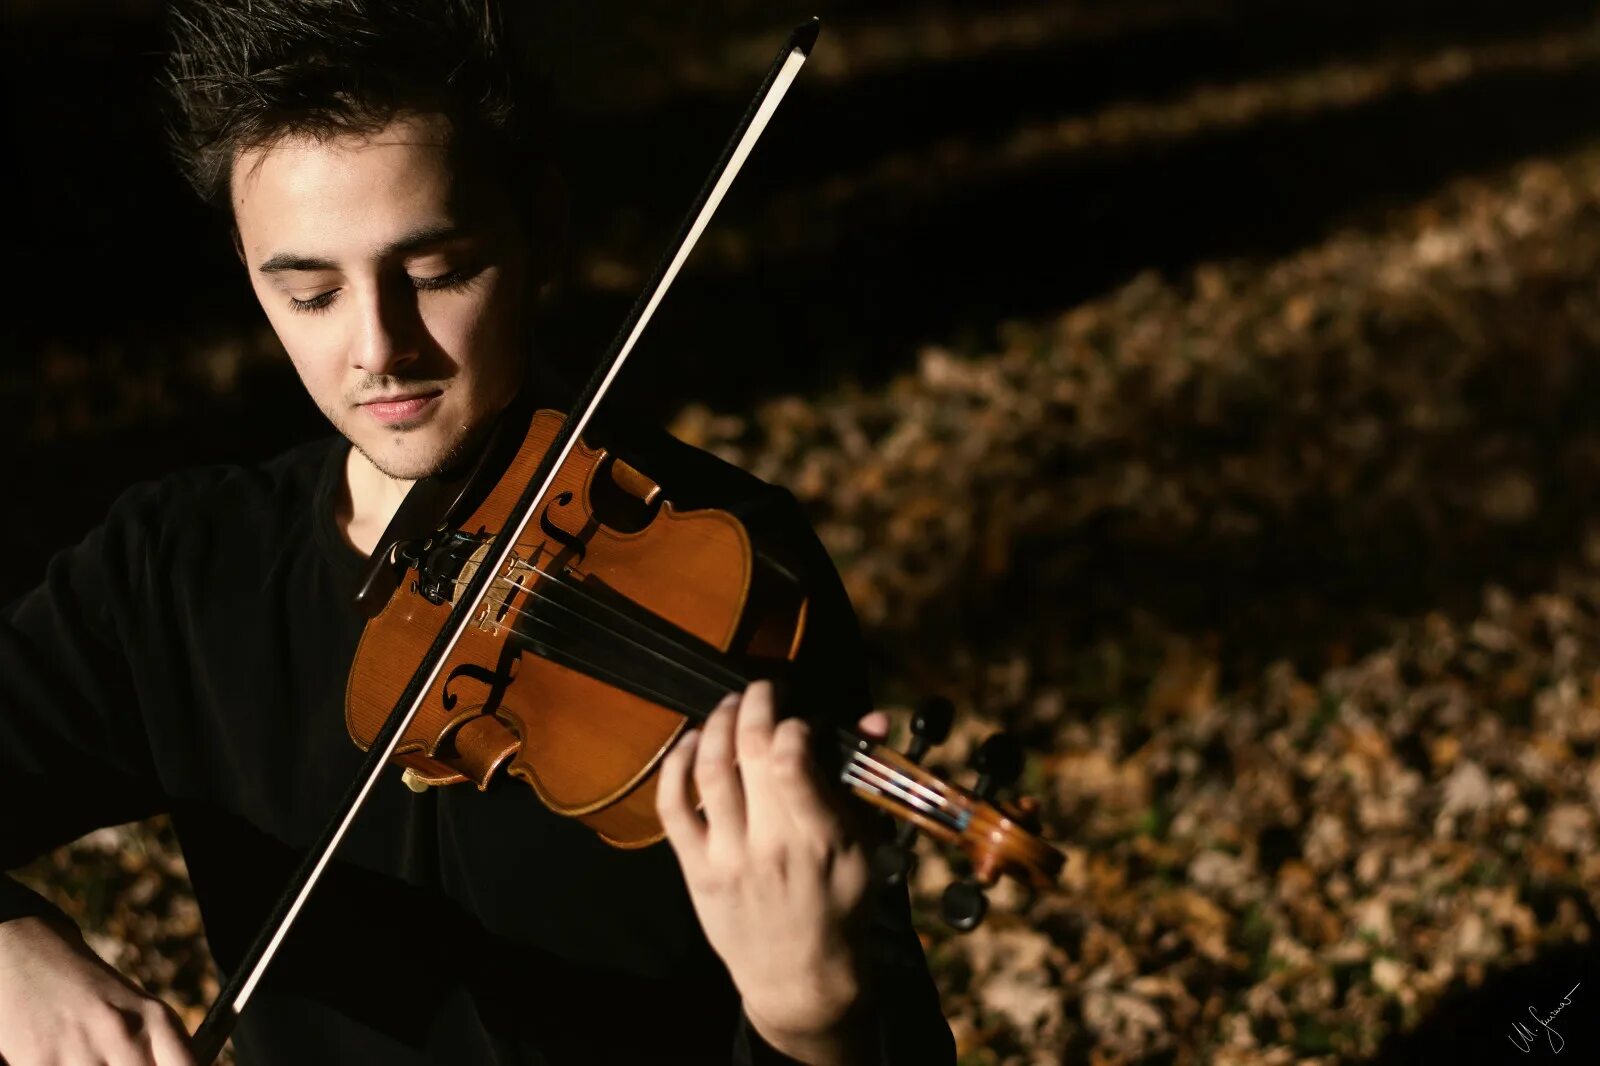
(614, 506)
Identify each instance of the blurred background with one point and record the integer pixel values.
(1203, 391)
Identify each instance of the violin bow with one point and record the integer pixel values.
(219, 1021)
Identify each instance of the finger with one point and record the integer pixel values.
(169, 1042)
(686, 830)
(874, 725)
(717, 777)
(757, 712)
(117, 1036)
(767, 824)
(817, 828)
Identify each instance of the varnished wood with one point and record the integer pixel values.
(589, 750)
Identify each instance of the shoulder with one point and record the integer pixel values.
(291, 474)
(204, 504)
(185, 529)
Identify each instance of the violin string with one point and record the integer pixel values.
(860, 771)
(729, 677)
(850, 775)
(861, 766)
(928, 794)
(861, 763)
(457, 555)
(567, 651)
(858, 758)
(895, 792)
(731, 680)
(658, 697)
(581, 594)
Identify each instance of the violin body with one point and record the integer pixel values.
(566, 675)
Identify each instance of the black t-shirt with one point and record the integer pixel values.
(190, 656)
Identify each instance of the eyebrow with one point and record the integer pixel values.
(413, 242)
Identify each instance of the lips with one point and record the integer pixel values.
(400, 409)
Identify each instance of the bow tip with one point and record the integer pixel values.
(805, 34)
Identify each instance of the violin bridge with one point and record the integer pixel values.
(497, 600)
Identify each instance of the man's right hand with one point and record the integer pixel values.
(61, 1004)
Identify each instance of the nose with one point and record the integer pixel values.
(386, 337)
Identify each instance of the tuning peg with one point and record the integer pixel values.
(998, 761)
(893, 860)
(930, 725)
(963, 905)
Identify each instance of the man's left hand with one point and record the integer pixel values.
(777, 873)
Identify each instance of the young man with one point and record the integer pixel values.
(190, 654)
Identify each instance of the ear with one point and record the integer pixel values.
(238, 245)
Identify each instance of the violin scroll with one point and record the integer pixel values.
(1000, 838)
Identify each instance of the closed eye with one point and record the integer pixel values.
(448, 282)
(319, 302)
(454, 279)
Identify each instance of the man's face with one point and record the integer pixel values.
(393, 282)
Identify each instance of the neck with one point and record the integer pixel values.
(371, 498)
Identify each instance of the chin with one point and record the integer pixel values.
(415, 454)
(407, 456)
(405, 469)
(409, 464)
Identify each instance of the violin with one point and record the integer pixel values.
(549, 613)
(604, 635)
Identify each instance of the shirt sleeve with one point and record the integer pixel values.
(73, 753)
(904, 1005)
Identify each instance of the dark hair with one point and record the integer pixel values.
(250, 72)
